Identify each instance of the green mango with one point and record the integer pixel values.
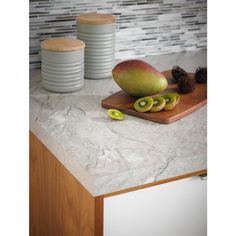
(139, 78)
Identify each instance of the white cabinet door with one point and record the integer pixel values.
(177, 208)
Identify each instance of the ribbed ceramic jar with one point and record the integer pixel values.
(62, 67)
(98, 32)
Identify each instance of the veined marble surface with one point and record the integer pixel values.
(107, 155)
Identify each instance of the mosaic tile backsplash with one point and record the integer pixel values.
(144, 27)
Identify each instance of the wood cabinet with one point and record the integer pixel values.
(61, 206)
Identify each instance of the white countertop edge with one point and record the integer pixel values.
(62, 156)
(173, 168)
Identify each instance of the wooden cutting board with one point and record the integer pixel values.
(188, 103)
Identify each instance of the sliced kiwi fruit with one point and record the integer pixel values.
(170, 100)
(158, 103)
(115, 114)
(143, 104)
(177, 97)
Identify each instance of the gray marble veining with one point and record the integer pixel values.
(106, 155)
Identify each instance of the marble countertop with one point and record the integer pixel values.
(106, 155)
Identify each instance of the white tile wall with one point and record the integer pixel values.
(144, 27)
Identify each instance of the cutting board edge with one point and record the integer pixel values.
(187, 112)
(166, 121)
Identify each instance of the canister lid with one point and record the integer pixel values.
(62, 44)
(95, 18)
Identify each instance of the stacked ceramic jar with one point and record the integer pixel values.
(62, 68)
(98, 32)
(65, 63)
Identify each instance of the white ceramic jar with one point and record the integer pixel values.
(98, 32)
(62, 67)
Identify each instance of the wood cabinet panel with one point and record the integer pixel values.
(59, 204)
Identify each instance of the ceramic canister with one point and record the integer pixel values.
(98, 32)
(62, 68)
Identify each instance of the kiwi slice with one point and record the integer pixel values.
(177, 97)
(143, 104)
(170, 100)
(115, 114)
(158, 103)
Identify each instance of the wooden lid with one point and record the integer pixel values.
(62, 44)
(95, 18)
